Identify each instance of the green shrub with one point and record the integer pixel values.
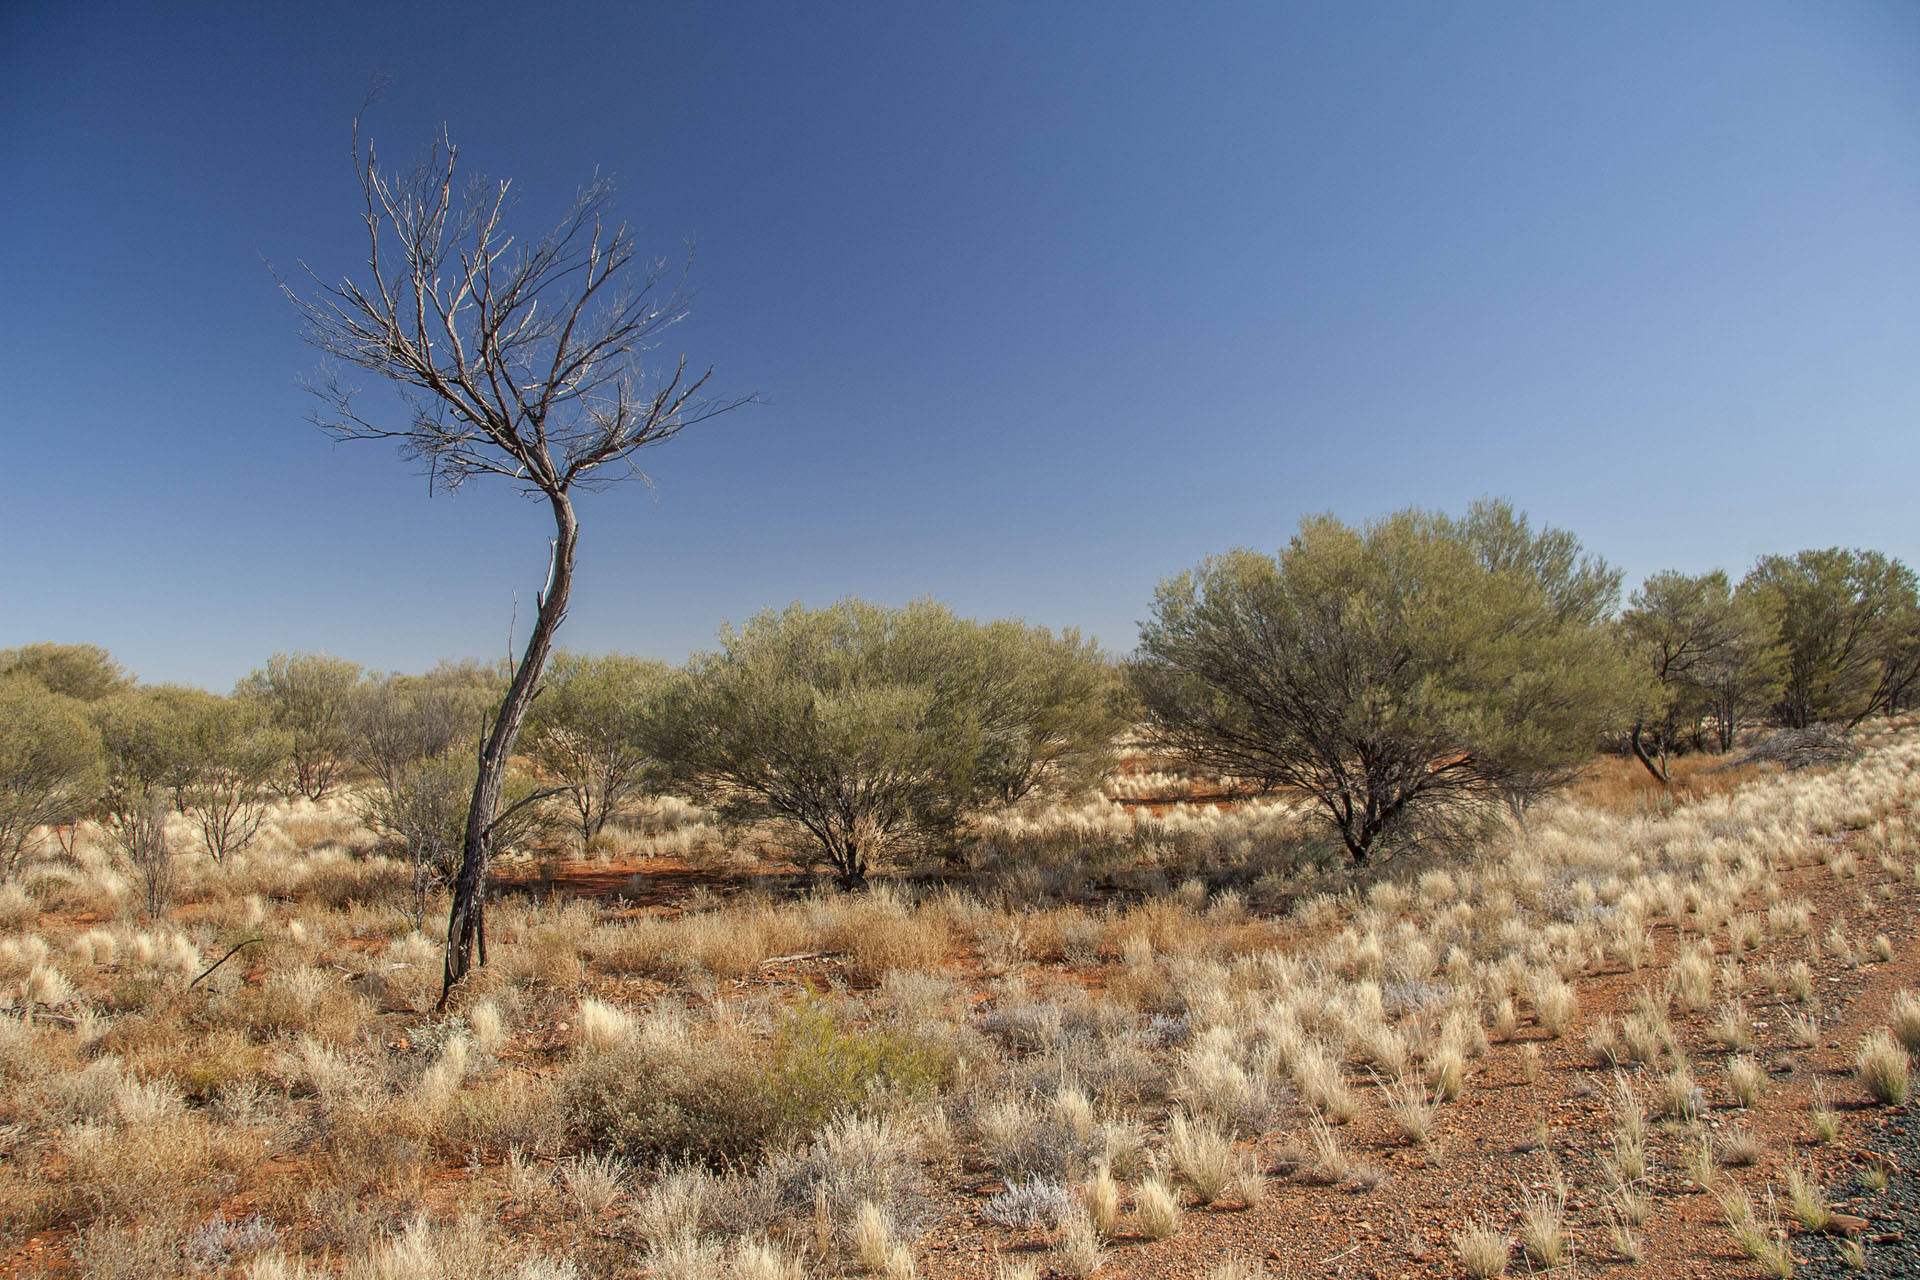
(651, 1102)
(872, 733)
(722, 1099)
(818, 1067)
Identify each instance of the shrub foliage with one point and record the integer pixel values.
(1397, 673)
(872, 732)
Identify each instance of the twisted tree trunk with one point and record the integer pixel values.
(466, 922)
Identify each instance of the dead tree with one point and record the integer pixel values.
(520, 359)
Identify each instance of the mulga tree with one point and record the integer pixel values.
(873, 733)
(51, 764)
(147, 733)
(1709, 653)
(84, 672)
(310, 697)
(518, 358)
(587, 731)
(235, 755)
(1847, 622)
(1404, 674)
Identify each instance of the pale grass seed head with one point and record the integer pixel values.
(46, 987)
(1157, 1207)
(762, 1260)
(1543, 1229)
(1331, 1163)
(1733, 1027)
(1697, 1154)
(602, 1027)
(1554, 1004)
(1903, 1020)
(488, 1026)
(1690, 982)
(1604, 1045)
(1746, 1079)
(1678, 1096)
(1412, 1107)
(1101, 1198)
(595, 1182)
(1882, 1068)
(1249, 1180)
(1741, 1147)
(440, 1084)
(1826, 1120)
(1080, 1250)
(1483, 1250)
(142, 1104)
(678, 1204)
(1506, 1018)
(874, 1245)
(1202, 1155)
(1807, 1197)
(1447, 1072)
(685, 1256)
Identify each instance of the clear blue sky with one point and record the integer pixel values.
(1045, 301)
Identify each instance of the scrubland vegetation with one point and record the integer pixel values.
(1327, 909)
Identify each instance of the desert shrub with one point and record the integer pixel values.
(870, 733)
(853, 1161)
(717, 1098)
(1059, 1138)
(310, 698)
(586, 732)
(149, 760)
(1034, 1202)
(818, 1066)
(654, 1101)
(1462, 663)
(51, 764)
(421, 806)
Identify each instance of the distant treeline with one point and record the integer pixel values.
(1408, 675)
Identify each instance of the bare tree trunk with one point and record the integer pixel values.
(1640, 753)
(466, 922)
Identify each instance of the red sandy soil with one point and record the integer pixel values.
(1484, 1152)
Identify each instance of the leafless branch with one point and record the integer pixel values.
(522, 360)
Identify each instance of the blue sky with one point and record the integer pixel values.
(1044, 302)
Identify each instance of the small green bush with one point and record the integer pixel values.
(723, 1099)
(651, 1102)
(818, 1067)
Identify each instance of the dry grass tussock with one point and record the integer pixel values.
(1113, 1059)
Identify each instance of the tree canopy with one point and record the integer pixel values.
(587, 730)
(1850, 626)
(873, 732)
(311, 697)
(82, 671)
(51, 763)
(1396, 673)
